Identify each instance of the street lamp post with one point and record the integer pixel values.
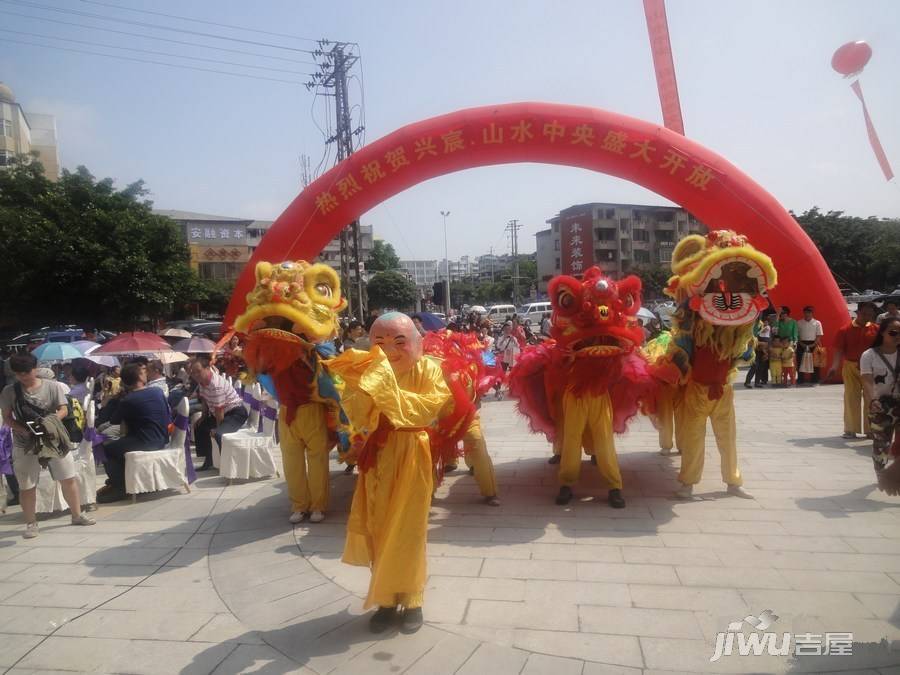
(446, 268)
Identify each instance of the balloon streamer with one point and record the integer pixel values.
(873, 135)
(661, 50)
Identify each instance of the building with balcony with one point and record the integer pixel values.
(614, 237)
(423, 273)
(23, 132)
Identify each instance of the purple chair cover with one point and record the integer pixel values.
(96, 440)
(254, 404)
(269, 413)
(184, 424)
(247, 397)
(6, 445)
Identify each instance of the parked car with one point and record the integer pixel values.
(500, 314)
(532, 313)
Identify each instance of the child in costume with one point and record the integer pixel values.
(788, 371)
(290, 324)
(392, 396)
(775, 354)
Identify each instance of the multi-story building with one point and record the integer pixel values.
(25, 132)
(220, 246)
(331, 254)
(424, 273)
(492, 267)
(612, 236)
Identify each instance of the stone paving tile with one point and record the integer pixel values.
(225, 628)
(539, 615)
(36, 620)
(14, 646)
(670, 556)
(636, 621)
(729, 577)
(140, 657)
(259, 659)
(803, 602)
(74, 596)
(165, 599)
(494, 659)
(529, 569)
(447, 656)
(541, 664)
(577, 592)
(586, 552)
(393, 655)
(720, 601)
(626, 573)
(141, 624)
(617, 650)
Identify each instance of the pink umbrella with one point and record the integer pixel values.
(195, 345)
(133, 343)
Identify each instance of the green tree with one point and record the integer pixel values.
(383, 257)
(79, 250)
(391, 290)
(863, 252)
(654, 278)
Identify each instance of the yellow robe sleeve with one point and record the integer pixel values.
(417, 403)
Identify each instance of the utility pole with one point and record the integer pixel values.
(305, 175)
(492, 264)
(444, 215)
(513, 228)
(334, 76)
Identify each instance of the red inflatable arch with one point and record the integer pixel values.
(715, 191)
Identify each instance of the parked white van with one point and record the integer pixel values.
(500, 314)
(532, 313)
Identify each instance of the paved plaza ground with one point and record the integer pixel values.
(218, 581)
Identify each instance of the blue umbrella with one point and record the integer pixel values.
(429, 321)
(56, 351)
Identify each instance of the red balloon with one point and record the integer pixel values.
(679, 169)
(851, 57)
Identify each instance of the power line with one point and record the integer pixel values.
(150, 51)
(208, 23)
(159, 39)
(157, 63)
(158, 26)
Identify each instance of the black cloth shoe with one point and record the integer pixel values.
(207, 466)
(110, 496)
(564, 496)
(412, 620)
(594, 460)
(554, 459)
(382, 619)
(449, 468)
(615, 499)
(349, 469)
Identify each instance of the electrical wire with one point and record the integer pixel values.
(208, 23)
(35, 5)
(158, 63)
(150, 51)
(159, 39)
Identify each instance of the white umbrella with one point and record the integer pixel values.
(175, 332)
(171, 357)
(104, 360)
(646, 314)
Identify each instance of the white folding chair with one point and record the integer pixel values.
(252, 402)
(49, 493)
(248, 453)
(166, 469)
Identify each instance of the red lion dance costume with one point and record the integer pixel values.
(589, 380)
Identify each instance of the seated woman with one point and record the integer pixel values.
(144, 415)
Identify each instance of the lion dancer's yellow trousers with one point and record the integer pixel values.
(478, 459)
(305, 445)
(695, 408)
(854, 395)
(592, 414)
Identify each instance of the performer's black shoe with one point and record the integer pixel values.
(554, 459)
(564, 496)
(349, 469)
(615, 499)
(471, 470)
(450, 468)
(382, 619)
(594, 460)
(412, 620)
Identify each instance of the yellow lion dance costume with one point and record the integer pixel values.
(720, 283)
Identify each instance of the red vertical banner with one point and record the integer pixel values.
(873, 135)
(661, 49)
(577, 243)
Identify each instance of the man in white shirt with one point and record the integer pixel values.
(809, 336)
(156, 376)
(890, 309)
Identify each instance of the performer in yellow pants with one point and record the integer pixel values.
(854, 395)
(592, 414)
(697, 407)
(479, 461)
(305, 445)
(668, 410)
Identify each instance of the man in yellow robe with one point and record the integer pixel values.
(392, 395)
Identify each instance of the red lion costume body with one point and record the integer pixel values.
(590, 379)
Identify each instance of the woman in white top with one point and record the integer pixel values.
(507, 347)
(880, 371)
